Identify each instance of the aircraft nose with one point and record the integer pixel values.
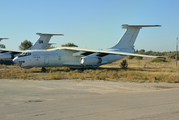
(16, 60)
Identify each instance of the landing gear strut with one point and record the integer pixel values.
(43, 69)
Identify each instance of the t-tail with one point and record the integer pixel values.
(3, 39)
(42, 42)
(129, 37)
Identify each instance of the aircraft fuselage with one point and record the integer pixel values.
(59, 58)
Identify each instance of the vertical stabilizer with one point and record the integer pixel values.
(3, 39)
(42, 42)
(129, 37)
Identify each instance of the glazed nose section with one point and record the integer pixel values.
(16, 60)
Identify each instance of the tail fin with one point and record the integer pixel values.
(129, 37)
(3, 38)
(42, 42)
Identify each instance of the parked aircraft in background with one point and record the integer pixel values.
(75, 57)
(1, 45)
(3, 39)
(41, 44)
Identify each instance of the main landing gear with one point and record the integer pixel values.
(43, 69)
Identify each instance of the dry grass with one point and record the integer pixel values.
(138, 71)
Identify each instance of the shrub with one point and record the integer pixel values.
(124, 64)
(138, 58)
(130, 57)
(158, 60)
(169, 59)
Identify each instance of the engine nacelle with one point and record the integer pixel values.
(90, 60)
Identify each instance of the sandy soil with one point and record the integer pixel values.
(89, 100)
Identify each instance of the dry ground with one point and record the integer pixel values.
(87, 100)
(138, 71)
(91, 99)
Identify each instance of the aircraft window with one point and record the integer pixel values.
(24, 54)
(27, 54)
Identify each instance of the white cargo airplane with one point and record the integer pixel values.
(2, 39)
(74, 57)
(42, 43)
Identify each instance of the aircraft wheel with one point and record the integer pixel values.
(43, 69)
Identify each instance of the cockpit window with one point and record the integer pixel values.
(24, 54)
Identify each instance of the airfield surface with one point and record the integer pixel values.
(87, 100)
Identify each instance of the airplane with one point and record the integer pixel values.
(41, 43)
(1, 45)
(79, 58)
(2, 39)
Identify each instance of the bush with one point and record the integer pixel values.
(169, 59)
(124, 64)
(138, 58)
(130, 57)
(158, 60)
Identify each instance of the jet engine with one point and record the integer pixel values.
(90, 60)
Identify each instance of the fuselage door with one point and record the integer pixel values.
(59, 58)
(46, 60)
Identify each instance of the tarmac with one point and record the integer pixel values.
(87, 100)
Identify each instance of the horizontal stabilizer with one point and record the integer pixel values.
(48, 34)
(140, 26)
(3, 38)
(52, 43)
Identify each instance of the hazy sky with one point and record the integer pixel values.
(92, 24)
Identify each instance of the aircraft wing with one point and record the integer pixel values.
(85, 52)
(11, 51)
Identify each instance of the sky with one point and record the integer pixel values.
(94, 24)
